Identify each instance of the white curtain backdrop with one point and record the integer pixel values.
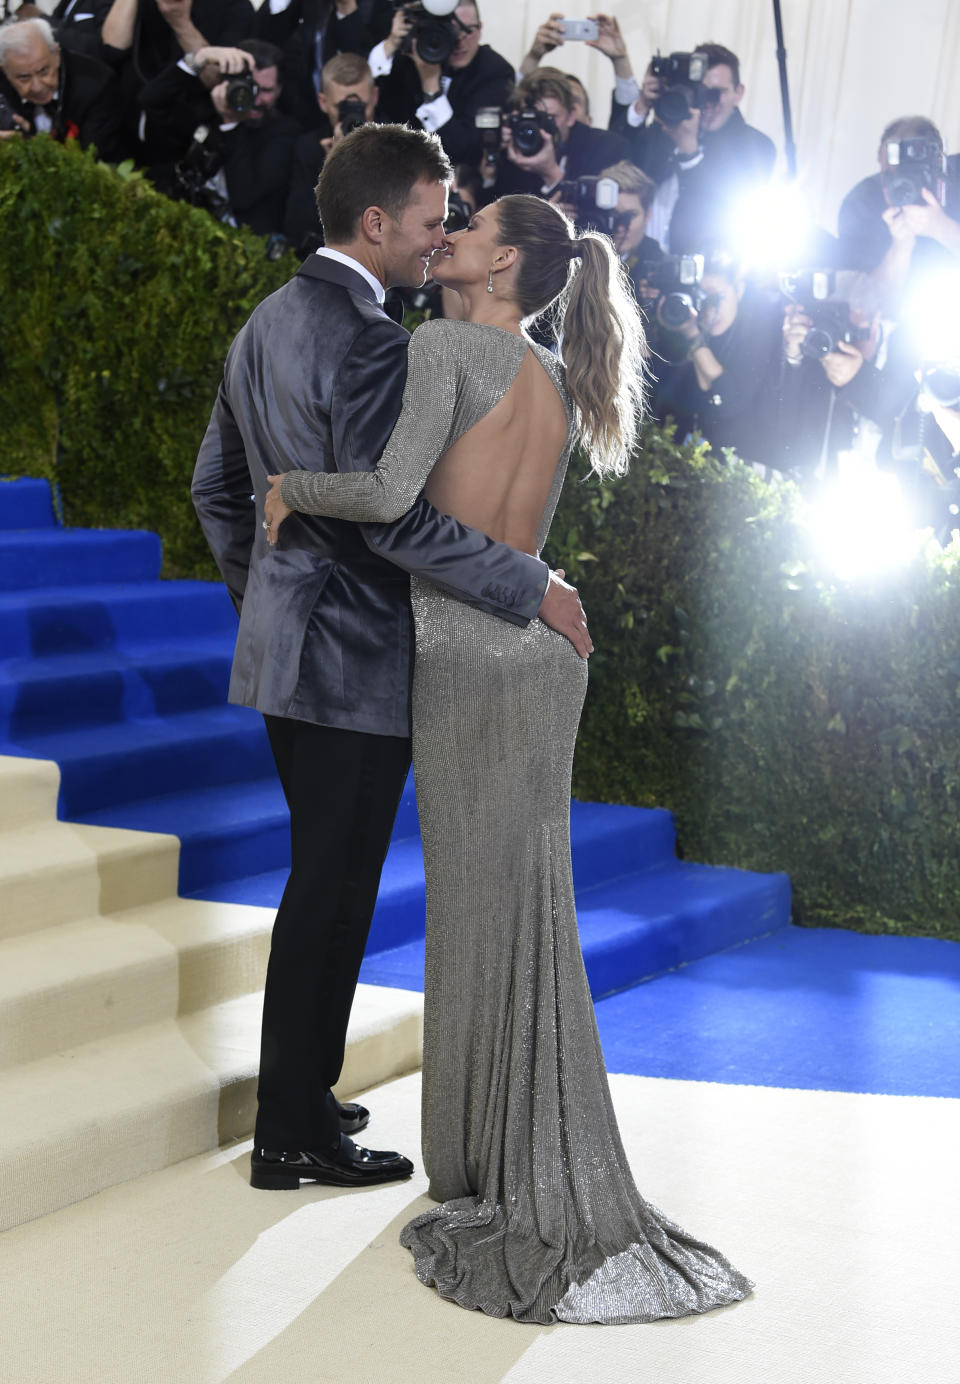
(853, 65)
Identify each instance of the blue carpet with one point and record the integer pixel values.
(816, 1009)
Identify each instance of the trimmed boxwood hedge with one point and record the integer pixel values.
(791, 722)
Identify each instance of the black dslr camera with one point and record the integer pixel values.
(940, 382)
(677, 279)
(202, 161)
(241, 92)
(527, 127)
(434, 35)
(351, 114)
(811, 289)
(6, 114)
(595, 200)
(911, 166)
(683, 91)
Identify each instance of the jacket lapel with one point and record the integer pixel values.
(331, 271)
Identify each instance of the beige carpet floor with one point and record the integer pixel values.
(844, 1209)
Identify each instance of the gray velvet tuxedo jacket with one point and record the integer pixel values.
(314, 380)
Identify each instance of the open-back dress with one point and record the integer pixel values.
(538, 1214)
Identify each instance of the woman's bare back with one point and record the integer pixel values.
(497, 476)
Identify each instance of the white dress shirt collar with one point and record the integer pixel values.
(361, 269)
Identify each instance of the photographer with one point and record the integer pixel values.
(636, 249)
(348, 98)
(893, 223)
(141, 38)
(720, 341)
(543, 108)
(441, 96)
(225, 146)
(311, 33)
(65, 94)
(548, 37)
(77, 24)
(690, 137)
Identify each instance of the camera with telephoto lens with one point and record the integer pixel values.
(351, 114)
(435, 30)
(595, 200)
(940, 382)
(681, 75)
(458, 214)
(911, 166)
(6, 114)
(810, 289)
(527, 128)
(677, 279)
(241, 93)
(202, 161)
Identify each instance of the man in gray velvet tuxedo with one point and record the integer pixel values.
(315, 380)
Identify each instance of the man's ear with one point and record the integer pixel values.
(738, 94)
(372, 221)
(322, 103)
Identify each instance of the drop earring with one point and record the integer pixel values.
(490, 282)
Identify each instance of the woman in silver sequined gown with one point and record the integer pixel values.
(538, 1214)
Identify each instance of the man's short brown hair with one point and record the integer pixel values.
(633, 181)
(376, 166)
(718, 56)
(544, 84)
(346, 69)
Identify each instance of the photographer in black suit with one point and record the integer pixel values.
(568, 148)
(705, 162)
(311, 32)
(77, 24)
(235, 160)
(348, 97)
(65, 94)
(325, 635)
(874, 226)
(442, 97)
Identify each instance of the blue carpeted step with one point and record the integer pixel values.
(642, 926)
(648, 924)
(55, 620)
(105, 765)
(398, 918)
(42, 695)
(609, 840)
(226, 832)
(25, 504)
(63, 557)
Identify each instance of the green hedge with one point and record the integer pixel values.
(118, 308)
(791, 723)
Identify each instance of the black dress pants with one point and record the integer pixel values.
(343, 788)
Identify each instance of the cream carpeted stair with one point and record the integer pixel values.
(129, 1018)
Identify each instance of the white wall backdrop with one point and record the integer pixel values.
(853, 65)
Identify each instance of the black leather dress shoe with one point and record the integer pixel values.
(353, 1118)
(347, 1165)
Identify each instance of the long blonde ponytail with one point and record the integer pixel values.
(602, 332)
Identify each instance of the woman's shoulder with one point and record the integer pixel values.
(466, 342)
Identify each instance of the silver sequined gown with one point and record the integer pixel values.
(539, 1216)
